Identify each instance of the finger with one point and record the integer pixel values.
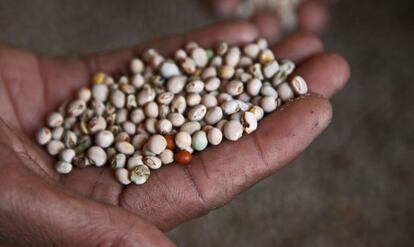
(268, 23)
(223, 7)
(313, 15)
(218, 174)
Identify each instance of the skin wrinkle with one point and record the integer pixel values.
(43, 80)
(204, 204)
(260, 153)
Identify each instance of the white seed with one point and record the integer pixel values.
(110, 152)
(118, 161)
(208, 72)
(285, 92)
(180, 54)
(191, 46)
(226, 72)
(232, 57)
(150, 125)
(177, 119)
(124, 147)
(96, 124)
(156, 61)
(244, 97)
(193, 99)
(122, 175)
(137, 116)
(221, 124)
(85, 94)
(104, 138)
(214, 136)
(118, 98)
(230, 107)
(67, 155)
(54, 120)
(63, 167)
(97, 155)
(122, 136)
(268, 90)
(165, 98)
(249, 122)
(151, 110)
(169, 69)
(287, 66)
(163, 112)
(199, 56)
(134, 161)
(262, 43)
(209, 100)
(268, 103)
(152, 162)
(178, 105)
(157, 144)
(54, 147)
(190, 127)
(236, 116)
(76, 108)
(164, 126)
(98, 107)
(299, 85)
(182, 140)
(214, 115)
(251, 50)
(257, 111)
(147, 94)
(188, 65)
(43, 136)
(223, 97)
(176, 84)
(253, 86)
(69, 122)
(233, 130)
(217, 61)
(234, 87)
(245, 61)
(138, 81)
(195, 86)
(121, 116)
(100, 92)
(212, 84)
(256, 71)
(199, 140)
(167, 157)
(270, 69)
(69, 139)
(136, 66)
(139, 140)
(197, 113)
(140, 174)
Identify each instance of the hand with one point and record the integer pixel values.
(312, 15)
(88, 207)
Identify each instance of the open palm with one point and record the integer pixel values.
(89, 207)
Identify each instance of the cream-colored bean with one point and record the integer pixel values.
(169, 69)
(217, 61)
(266, 56)
(152, 162)
(163, 112)
(268, 90)
(138, 81)
(245, 61)
(134, 161)
(212, 84)
(221, 124)
(67, 155)
(209, 72)
(157, 144)
(177, 119)
(147, 94)
(232, 57)
(96, 124)
(188, 65)
(122, 175)
(85, 94)
(137, 116)
(209, 100)
(182, 140)
(63, 167)
(139, 140)
(199, 55)
(129, 128)
(299, 85)
(249, 122)
(164, 126)
(176, 84)
(234, 87)
(287, 66)
(257, 111)
(124, 147)
(213, 115)
(117, 98)
(104, 138)
(55, 120)
(69, 139)
(268, 103)
(180, 54)
(193, 99)
(197, 113)
(270, 69)
(136, 66)
(150, 125)
(262, 43)
(256, 71)
(151, 110)
(97, 155)
(223, 97)
(195, 86)
(122, 136)
(69, 122)
(140, 174)
(235, 116)
(43, 136)
(226, 72)
(230, 107)
(214, 136)
(199, 140)
(233, 130)
(167, 157)
(253, 86)
(285, 92)
(118, 161)
(190, 127)
(57, 133)
(54, 147)
(179, 104)
(100, 92)
(165, 98)
(244, 97)
(251, 50)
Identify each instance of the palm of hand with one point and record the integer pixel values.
(62, 209)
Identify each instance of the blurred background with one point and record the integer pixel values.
(353, 187)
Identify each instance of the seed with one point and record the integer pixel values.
(164, 110)
(151, 109)
(208, 72)
(167, 157)
(124, 147)
(270, 69)
(129, 128)
(43, 136)
(67, 155)
(212, 84)
(235, 116)
(157, 144)
(222, 48)
(230, 107)
(287, 66)
(176, 84)
(256, 71)
(214, 115)
(221, 123)
(147, 94)
(104, 138)
(234, 87)
(257, 111)
(150, 125)
(122, 175)
(81, 161)
(199, 140)
(226, 72)
(188, 65)
(253, 86)
(183, 140)
(96, 124)
(268, 90)
(137, 116)
(63, 167)
(196, 86)
(83, 144)
(110, 152)
(140, 174)
(244, 97)
(178, 105)
(138, 81)
(209, 100)
(55, 120)
(190, 127)
(232, 57)
(54, 147)
(136, 66)
(69, 122)
(152, 162)
(249, 122)
(169, 69)
(233, 130)
(180, 54)
(117, 98)
(118, 161)
(122, 136)
(193, 99)
(268, 103)
(298, 85)
(164, 126)
(97, 155)
(285, 92)
(135, 161)
(223, 97)
(183, 157)
(139, 140)
(170, 141)
(245, 61)
(100, 92)
(176, 119)
(262, 43)
(165, 98)
(252, 50)
(216, 61)
(197, 113)
(214, 136)
(199, 55)
(98, 78)
(266, 56)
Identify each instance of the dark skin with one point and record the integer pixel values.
(89, 207)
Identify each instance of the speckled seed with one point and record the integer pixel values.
(230, 107)
(63, 167)
(139, 140)
(199, 140)
(197, 113)
(67, 155)
(152, 162)
(270, 69)
(233, 130)
(214, 136)
(299, 85)
(124, 147)
(134, 161)
(257, 111)
(232, 57)
(212, 84)
(268, 90)
(43, 136)
(214, 115)
(150, 125)
(118, 161)
(54, 120)
(285, 92)
(117, 98)
(183, 140)
(96, 124)
(140, 174)
(234, 87)
(137, 116)
(97, 155)
(129, 127)
(176, 119)
(169, 69)
(54, 147)
(253, 86)
(176, 84)
(195, 86)
(138, 81)
(100, 92)
(104, 138)
(147, 94)
(179, 104)
(165, 98)
(249, 122)
(167, 156)
(199, 55)
(122, 175)
(268, 103)
(151, 110)
(157, 144)
(209, 100)
(190, 127)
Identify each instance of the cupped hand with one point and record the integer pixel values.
(89, 207)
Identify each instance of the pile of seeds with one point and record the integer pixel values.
(166, 109)
(286, 9)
